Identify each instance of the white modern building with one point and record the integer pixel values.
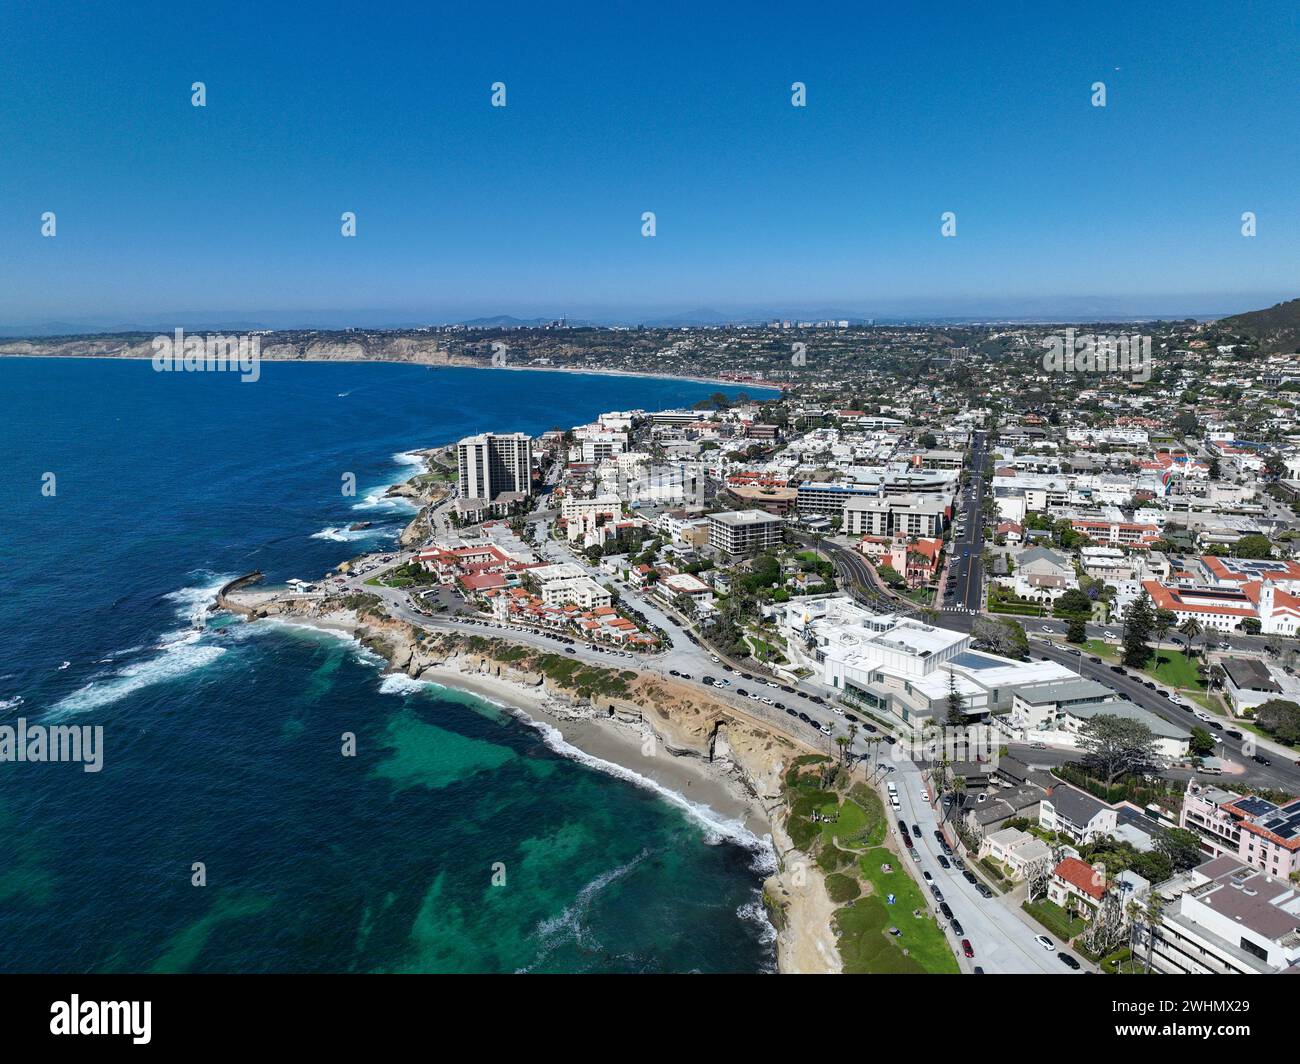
(742, 531)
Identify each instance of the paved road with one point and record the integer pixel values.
(1001, 935)
(965, 559)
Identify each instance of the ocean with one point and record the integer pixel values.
(460, 838)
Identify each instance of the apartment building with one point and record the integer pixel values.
(906, 515)
(566, 584)
(742, 531)
(1250, 829)
(493, 464)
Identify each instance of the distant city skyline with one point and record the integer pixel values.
(170, 213)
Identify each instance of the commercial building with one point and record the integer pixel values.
(1224, 918)
(907, 515)
(742, 531)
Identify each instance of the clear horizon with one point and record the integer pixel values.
(463, 210)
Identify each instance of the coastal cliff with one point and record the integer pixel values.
(646, 710)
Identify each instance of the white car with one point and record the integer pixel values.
(1046, 943)
(715, 659)
(837, 711)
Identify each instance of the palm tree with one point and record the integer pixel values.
(1190, 628)
(958, 790)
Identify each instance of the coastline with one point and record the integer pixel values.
(731, 787)
(647, 374)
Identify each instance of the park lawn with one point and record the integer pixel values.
(1099, 648)
(865, 942)
(1055, 919)
(1173, 669)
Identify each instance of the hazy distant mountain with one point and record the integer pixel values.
(1277, 329)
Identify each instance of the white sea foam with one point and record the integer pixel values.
(181, 653)
(409, 458)
(569, 924)
(398, 683)
(176, 661)
(754, 911)
(10, 703)
(351, 535)
(716, 828)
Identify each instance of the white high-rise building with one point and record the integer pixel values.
(492, 464)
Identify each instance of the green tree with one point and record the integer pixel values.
(1139, 620)
(1254, 547)
(1077, 630)
(1202, 743)
(1182, 847)
(1115, 746)
(956, 704)
(1190, 629)
(1280, 718)
(1073, 602)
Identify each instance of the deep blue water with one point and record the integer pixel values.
(222, 744)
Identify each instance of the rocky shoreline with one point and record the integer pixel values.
(724, 769)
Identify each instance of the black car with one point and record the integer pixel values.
(943, 861)
(916, 830)
(938, 894)
(1068, 961)
(969, 876)
(1117, 669)
(1215, 725)
(983, 891)
(902, 826)
(805, 718)
(977, 970)
(674, 672)
(957, 929)
(850, 716)
(1095, 661)
(943, 908)
(938, 835)
(745, 676)
(792, 712)
(1233, 733)
(708, 680)
(742, 692)
(1261, 759)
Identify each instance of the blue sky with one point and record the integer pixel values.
(613, 109)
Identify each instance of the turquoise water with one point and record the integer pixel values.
(459, 839)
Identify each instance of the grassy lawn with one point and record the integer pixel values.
(1171, 668)
(1054, 918)
(1099, 648)
(865, 942)
(855, 880)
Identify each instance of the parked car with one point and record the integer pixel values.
(1068, 961)
(957, 929)
(969, 876)
(967, 948)
(1046, 943)
(943, 861)
(983, 891)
